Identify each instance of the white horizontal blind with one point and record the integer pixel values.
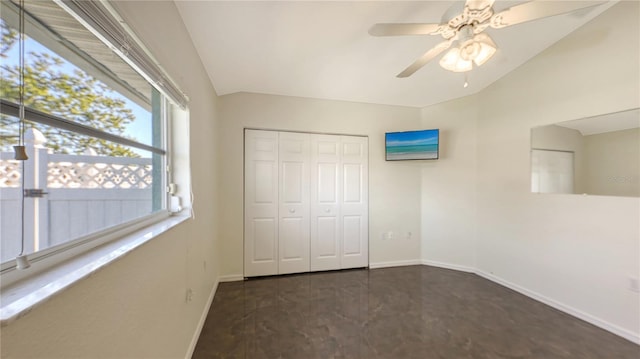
(102, 20)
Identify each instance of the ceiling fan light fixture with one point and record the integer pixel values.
(487, 48)
(469, 50)
(476, 50)
(452, 61)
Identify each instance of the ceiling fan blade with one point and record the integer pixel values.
(403, 29)
(428, 56)
(534, 10)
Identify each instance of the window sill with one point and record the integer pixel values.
(20, 298)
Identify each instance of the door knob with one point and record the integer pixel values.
(291, 210)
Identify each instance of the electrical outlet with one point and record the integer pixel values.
(390, 235)
(634, 284)
(189, 296)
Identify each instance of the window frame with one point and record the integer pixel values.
(55, 255)
(64, 251)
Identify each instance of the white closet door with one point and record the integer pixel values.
(552, 171)
(354, 202)
(325, 209)
(261, 203)
(294, 203)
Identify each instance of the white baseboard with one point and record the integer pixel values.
(231, 278)
(410, 262)
(448, 266)
(203, 318)
(624, 333)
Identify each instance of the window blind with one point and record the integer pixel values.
(101, 19)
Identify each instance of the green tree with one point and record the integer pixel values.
(76, 96)
(9, 37)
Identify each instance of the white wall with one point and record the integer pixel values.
(575, 252)
(135, 308)
(449, 186)
(613, 163)
(578, 251)
(394, 187)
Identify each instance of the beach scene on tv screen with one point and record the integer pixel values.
(413, 145)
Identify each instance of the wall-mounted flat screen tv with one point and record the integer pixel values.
(412, 145)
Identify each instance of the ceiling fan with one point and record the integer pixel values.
(463, 26)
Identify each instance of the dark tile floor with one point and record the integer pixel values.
(403, 312)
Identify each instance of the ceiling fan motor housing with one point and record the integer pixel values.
(469, 48)
(476, 15)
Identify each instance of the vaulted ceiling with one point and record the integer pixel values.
(322, 49)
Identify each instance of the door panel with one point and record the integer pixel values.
(263, 232)
(292, 182)
(354, 202)
(327, 183)
(264, 193)
(293, 202)
(325, 211)
(352, 226)
(261, 203)
(291, 231)
(327, 235)
(352, 149)
(352, 183)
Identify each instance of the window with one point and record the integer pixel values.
(96, 119)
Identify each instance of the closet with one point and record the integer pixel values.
(305, 202)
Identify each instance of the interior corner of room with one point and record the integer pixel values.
(518, 195)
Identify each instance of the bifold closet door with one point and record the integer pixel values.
(261, 203)
(293, 239)
(354, 201)
(325, 205)
(306, 205)
(339, 202)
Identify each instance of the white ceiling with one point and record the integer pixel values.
(322, 49)
(618, 121)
